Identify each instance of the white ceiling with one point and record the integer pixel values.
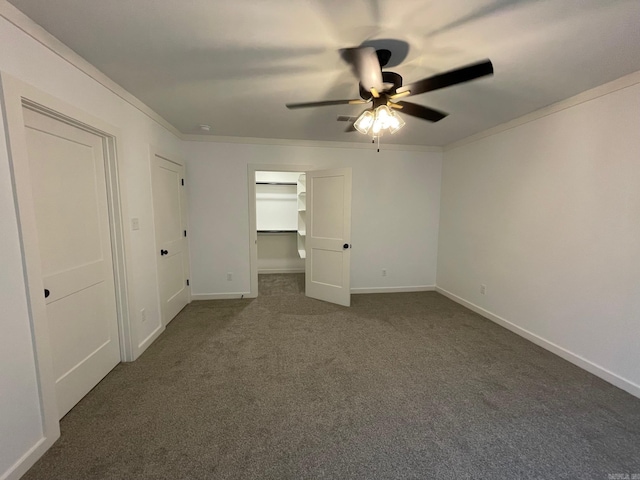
(234, 64)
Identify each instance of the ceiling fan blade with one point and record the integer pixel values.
(421, 111)
(351, 120)
(453, 77)
(367, 67)
(357, 101)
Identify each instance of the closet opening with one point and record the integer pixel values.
(280, 231)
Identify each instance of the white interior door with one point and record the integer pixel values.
(328, 242)
(169, 213)
(67, 173)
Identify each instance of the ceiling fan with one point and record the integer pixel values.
(385, 89)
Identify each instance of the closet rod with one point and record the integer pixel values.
(276, 183)
(277, 231)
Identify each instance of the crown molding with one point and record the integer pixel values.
(586, 96)
(40, 35)
(309, 143)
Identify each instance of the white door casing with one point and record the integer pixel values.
(328, 239)
(67, 167)
(169, 213)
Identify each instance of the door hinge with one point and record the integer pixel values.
(187, 282)
(185, 233)
(182, 181)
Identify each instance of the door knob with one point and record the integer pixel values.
(46, 293)
(346, 245)
(164, 252)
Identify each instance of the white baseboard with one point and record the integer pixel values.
(220, 296)
(419, 288)
(281, 270)
(144, 344)
(578, 360)
(25, 462)
(229, 296)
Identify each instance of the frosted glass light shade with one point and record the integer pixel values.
(364, 122)
(383, 117)
(396, 122)
(378, 120)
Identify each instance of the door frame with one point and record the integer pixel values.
(253, 229)
(154, 152)
(15, 96)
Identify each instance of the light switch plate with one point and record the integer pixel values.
(135, 224)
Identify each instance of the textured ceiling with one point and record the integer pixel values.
(234, 65)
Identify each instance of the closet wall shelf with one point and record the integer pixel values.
(275, 183)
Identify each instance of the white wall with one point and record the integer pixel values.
(24, 58)
(20, 420)
(278, 253)
(395, 210)
(547, 216)
(276, 207)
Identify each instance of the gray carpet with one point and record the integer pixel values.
(407, 385)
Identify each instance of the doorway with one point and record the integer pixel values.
(318, 217)
(67, 276)
(68, 188)
(280, 230)
(276, 216)
(170, 225)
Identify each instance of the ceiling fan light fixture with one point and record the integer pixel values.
(383, 118)
(396, 122)
(364, 122)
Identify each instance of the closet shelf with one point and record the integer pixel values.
(302, 216)
(276, 183)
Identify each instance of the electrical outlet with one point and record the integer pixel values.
(384, 272)
(483, 289)
(135, 224)
(229, 276)
(143, 316)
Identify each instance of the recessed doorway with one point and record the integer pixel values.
(280, 231)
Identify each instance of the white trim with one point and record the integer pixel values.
(25, 462)
(17, 95)
(576, 359)
(144, 344)
(253, 230)
(364, 144)
(280, 270)
(40, 35)
(418, 288)
(597, 92)
(220, 296)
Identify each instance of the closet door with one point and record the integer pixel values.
(169, 214)
(69, 194)
(328, 240)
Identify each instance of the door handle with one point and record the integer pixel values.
(346, 245)
(164, 252)
(46, 293)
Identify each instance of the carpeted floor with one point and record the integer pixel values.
(407, 385)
